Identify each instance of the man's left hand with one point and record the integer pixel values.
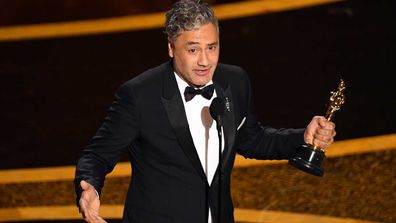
(320, 132)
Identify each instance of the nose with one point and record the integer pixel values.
(203, 59)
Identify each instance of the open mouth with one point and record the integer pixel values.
(202, 72)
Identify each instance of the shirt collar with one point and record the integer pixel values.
(182, 84)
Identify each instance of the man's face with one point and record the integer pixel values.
(195, 54)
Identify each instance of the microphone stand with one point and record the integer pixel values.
(216, 111)
(220, 135)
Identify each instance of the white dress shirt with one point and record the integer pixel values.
(203, 130)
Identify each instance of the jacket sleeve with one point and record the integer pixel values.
(118, 130)
(263, 142)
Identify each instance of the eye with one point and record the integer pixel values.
(192, 50)
(212, 48)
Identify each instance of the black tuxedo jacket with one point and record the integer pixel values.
(168, 182)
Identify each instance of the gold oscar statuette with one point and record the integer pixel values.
(310, 157)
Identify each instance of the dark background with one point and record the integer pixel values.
(54, 93)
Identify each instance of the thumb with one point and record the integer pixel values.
(85, 185)
(322, 122)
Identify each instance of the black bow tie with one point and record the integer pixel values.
(206, 92)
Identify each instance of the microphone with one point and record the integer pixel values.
(216, 110)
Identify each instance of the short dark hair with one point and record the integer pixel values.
(186, 15)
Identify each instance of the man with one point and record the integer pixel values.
(162, 117)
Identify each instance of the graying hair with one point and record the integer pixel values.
(186, 15)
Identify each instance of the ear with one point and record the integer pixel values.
(170, 48)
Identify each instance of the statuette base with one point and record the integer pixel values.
(309, 160)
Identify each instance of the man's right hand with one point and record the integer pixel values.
(89, 203)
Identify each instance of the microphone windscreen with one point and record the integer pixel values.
(217, 108)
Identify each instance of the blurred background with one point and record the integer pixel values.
(62, 61)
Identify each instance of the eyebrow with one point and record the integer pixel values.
(214, 44)
(192, 43)
(195, 43)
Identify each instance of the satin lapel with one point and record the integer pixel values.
(174, 107)
(228, 125)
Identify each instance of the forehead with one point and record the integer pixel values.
(201, 34)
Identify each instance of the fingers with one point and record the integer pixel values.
(90, 211)
(89, 204)
(324, 134)
(320, 132)
(322, 141)
(93, 219)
